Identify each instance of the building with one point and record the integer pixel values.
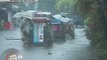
(8, 9)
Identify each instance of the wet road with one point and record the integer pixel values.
(77, 49)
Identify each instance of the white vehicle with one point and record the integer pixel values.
(34, 26)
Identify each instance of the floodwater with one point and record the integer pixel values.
(71, 49)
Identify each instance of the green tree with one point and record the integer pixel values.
(96, 12)
(47, 5)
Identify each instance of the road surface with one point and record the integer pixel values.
(75, 49)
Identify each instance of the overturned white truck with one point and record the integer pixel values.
(35, 27)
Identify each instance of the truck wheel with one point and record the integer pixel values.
(48, 42)
(25, 39)
(63, 36)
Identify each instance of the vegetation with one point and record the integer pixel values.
(93, 12)
(47, 5)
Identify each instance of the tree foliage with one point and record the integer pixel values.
(65, 3)
(94, 13)
(47, 5)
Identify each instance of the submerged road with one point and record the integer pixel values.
(75, 49)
